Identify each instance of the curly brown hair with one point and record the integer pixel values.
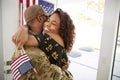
(67, 29)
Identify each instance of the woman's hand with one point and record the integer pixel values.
(20, 37)
(64, 68)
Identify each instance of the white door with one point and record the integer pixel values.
(116, 61)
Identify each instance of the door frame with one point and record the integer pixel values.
(108, 40)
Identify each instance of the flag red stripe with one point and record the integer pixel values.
(17, 75)
(27, 3)
(33, 2)
(20, 1)
(15, 72)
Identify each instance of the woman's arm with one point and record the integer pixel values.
(20, 35)
(21, 38)
(31, 41)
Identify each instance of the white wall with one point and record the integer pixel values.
(1, 45)
(8, 27)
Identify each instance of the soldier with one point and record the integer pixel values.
(51, 71)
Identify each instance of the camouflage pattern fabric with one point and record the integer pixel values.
(44, 70)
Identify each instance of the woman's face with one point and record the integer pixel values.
(52, 24)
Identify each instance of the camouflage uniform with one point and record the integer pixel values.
(44, 70)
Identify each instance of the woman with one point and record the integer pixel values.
(57, 40)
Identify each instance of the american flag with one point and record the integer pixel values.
(49, 7)
(21, 66)
(23, 4)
